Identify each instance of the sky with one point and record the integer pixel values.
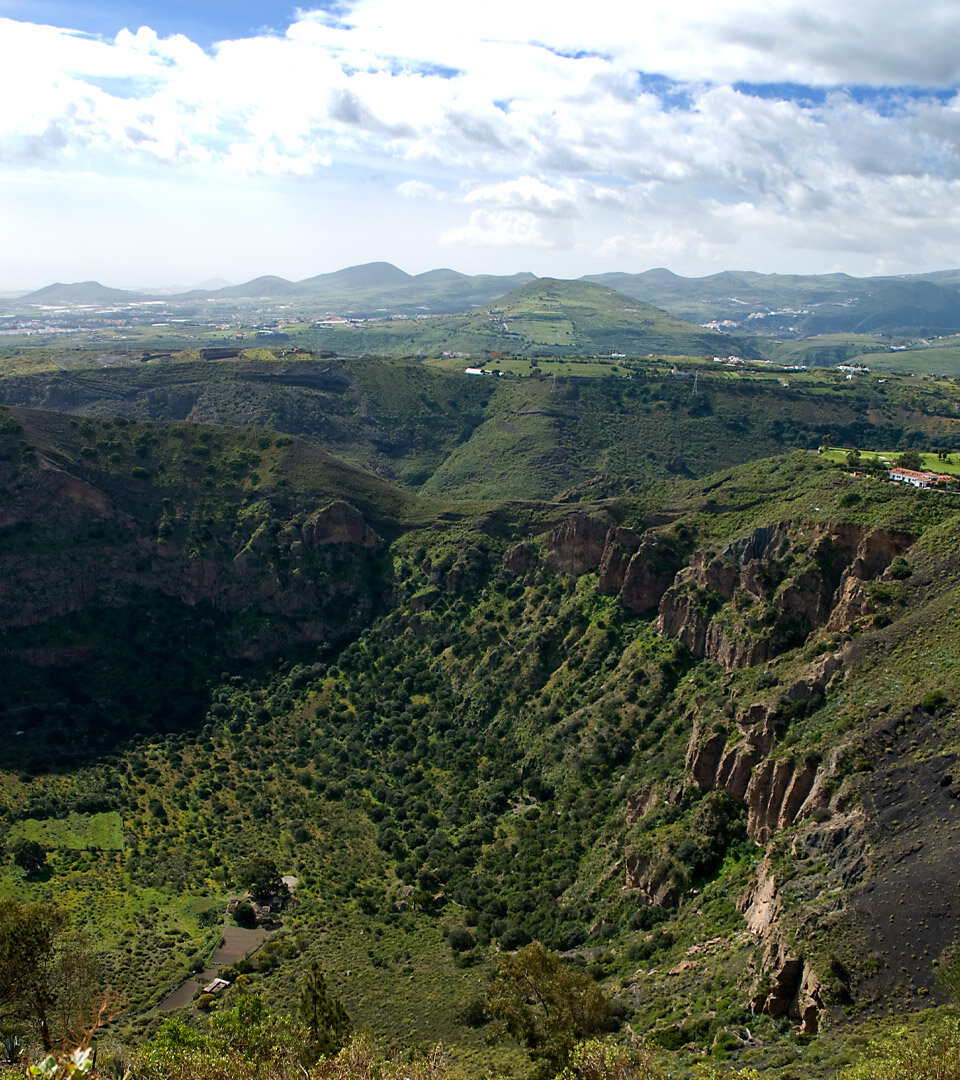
(170, 142)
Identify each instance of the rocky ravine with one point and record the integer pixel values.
(746, 604)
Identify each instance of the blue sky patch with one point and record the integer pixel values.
(206, 23)
(671, 93)
(884, 100)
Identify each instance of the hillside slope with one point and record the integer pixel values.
(463, 436)
(703, 740)
(151, 556)
(544, 317)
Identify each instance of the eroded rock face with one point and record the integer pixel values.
(637, 567)
(339, 523)
(520, 558)
(639, 805)
(576, 545)
(785, 984)
(766, 592)
(652, 879)
(776, 793)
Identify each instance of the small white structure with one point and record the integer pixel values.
(919, 479)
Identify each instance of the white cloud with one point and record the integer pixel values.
(510, 229)
(419, 189)
(532, 125)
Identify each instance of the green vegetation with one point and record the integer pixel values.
(77, 832)
(546, 1005)
(543, 742)
(49, 977)
(448, 434)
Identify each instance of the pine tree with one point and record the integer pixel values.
(323, 1014)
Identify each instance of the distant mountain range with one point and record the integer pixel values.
(802, 305)
(369, 289)
(781, 305)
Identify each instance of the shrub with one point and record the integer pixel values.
(244, 915)
(932, 1053)
(596, 1060)
(932, 700)
(29, 855)
(460, 939)
(899, 568)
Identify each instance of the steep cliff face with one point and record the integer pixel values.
(749, 602)
(785, 981)
(66, 545)
(637, 567)
(775, 793)
(768, 591)
(576, 544)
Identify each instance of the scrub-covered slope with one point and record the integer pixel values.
(704, 743)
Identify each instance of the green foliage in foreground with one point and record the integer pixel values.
(928, 1052)
(48, 976)
(550, 1007)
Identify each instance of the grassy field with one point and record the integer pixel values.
(77, 832)
(950, 465)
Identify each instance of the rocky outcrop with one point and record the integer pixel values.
(639, 805)
(794, 991)
(784, 984)
(339, 523)
(619, 548)
(766, 592)
(649, 574)
(839, 843)
(776, 793)
(654, 879)
(639, 567)
(576, 545)
(52, 491)
(520, 558)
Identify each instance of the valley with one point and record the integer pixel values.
(611, 652)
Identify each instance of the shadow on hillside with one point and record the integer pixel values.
(82, 686)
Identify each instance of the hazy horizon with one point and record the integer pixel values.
(174, 143)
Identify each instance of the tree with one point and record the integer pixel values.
(324, 1015)
(29, 855)
(244, 915)
(910, 459)
(48, 976)
(261, 876)
(550, 1007)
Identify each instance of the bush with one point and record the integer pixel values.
(29, 855)
(932, 1053)
(244, 915)
(460, 940)
(932, 700)
(474, 1014)
(899, 568)
(596, 1060)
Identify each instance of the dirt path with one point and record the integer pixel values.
(237, 943)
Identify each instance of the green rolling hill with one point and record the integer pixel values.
(544, 317)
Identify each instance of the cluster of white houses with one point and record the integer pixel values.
(920, 479)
